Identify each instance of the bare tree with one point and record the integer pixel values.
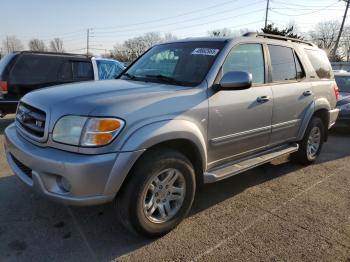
(11, 44)
(134, 47)
(325, 34)
(56, 45)
(37, 45)
(222, 32)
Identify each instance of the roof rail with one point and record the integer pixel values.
(54, 53)
(278, 37)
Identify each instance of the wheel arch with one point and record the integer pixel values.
(320, 108)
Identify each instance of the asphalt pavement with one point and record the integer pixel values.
(276, 212)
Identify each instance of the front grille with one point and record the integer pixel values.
(31, 119)
(26, 170)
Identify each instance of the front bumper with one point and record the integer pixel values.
(93, 179)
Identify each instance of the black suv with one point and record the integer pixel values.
(22, 72)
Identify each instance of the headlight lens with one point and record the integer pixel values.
(84, 131)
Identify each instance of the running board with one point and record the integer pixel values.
(220, 173)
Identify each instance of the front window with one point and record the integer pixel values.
(343, 83)
(184, 64)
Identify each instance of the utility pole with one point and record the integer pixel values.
(87, 41)
(267, 12)
(7, 44)
(341, 28)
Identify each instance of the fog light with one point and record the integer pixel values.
(64, 184)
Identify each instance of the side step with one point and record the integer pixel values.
(220, 173)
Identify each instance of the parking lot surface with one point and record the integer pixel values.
(280, 211)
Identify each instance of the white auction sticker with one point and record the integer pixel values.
(205, 51)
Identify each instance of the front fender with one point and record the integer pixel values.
(156, 133)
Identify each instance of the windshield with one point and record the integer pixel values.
(343, 83)
(184, 64)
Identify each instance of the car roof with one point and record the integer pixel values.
(53, 53)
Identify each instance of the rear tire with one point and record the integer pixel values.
(158, 194)
(311, 144)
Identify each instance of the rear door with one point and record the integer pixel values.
(291, 91)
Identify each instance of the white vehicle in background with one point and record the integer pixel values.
(105, 68)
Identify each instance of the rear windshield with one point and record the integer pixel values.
(184, 64)
(343, 83)
(5, 61)
(320, 63)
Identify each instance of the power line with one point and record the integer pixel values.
(170, 17)
(183, 21)
(319, 10)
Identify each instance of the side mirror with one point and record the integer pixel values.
(236, 80)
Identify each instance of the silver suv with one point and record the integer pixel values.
(187, 112)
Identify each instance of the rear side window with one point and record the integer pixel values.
(320, 63)
(32, 69)
(248, 58)
(82, 70)
(282, 63)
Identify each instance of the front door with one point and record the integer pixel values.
(240, 120)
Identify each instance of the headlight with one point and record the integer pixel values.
(345, 107)
(85, 131)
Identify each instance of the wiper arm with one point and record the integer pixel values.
(165, 79)
(130, 76)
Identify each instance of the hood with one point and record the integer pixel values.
(133, 101)
(82, 98)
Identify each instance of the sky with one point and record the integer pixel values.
(113, 21)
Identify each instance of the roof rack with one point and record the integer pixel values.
(278, 37)
(54, 53)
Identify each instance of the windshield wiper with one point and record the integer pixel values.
(130, 76)
(166, 79)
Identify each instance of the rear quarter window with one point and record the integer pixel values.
(320, 63)
(35, 69)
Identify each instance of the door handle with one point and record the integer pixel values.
(307, 93)
(263, 99)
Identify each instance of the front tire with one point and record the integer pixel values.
(158, 194)
(311, 144)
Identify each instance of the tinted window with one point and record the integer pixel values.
(108, 69)
(282, 63)
(66, 72)
(248, 58)
(82, 70)
(343, 83)
(176, 63)
(35, 69)
(299, 68)
(320, 63)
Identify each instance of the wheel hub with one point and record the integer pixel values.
(164, 195)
